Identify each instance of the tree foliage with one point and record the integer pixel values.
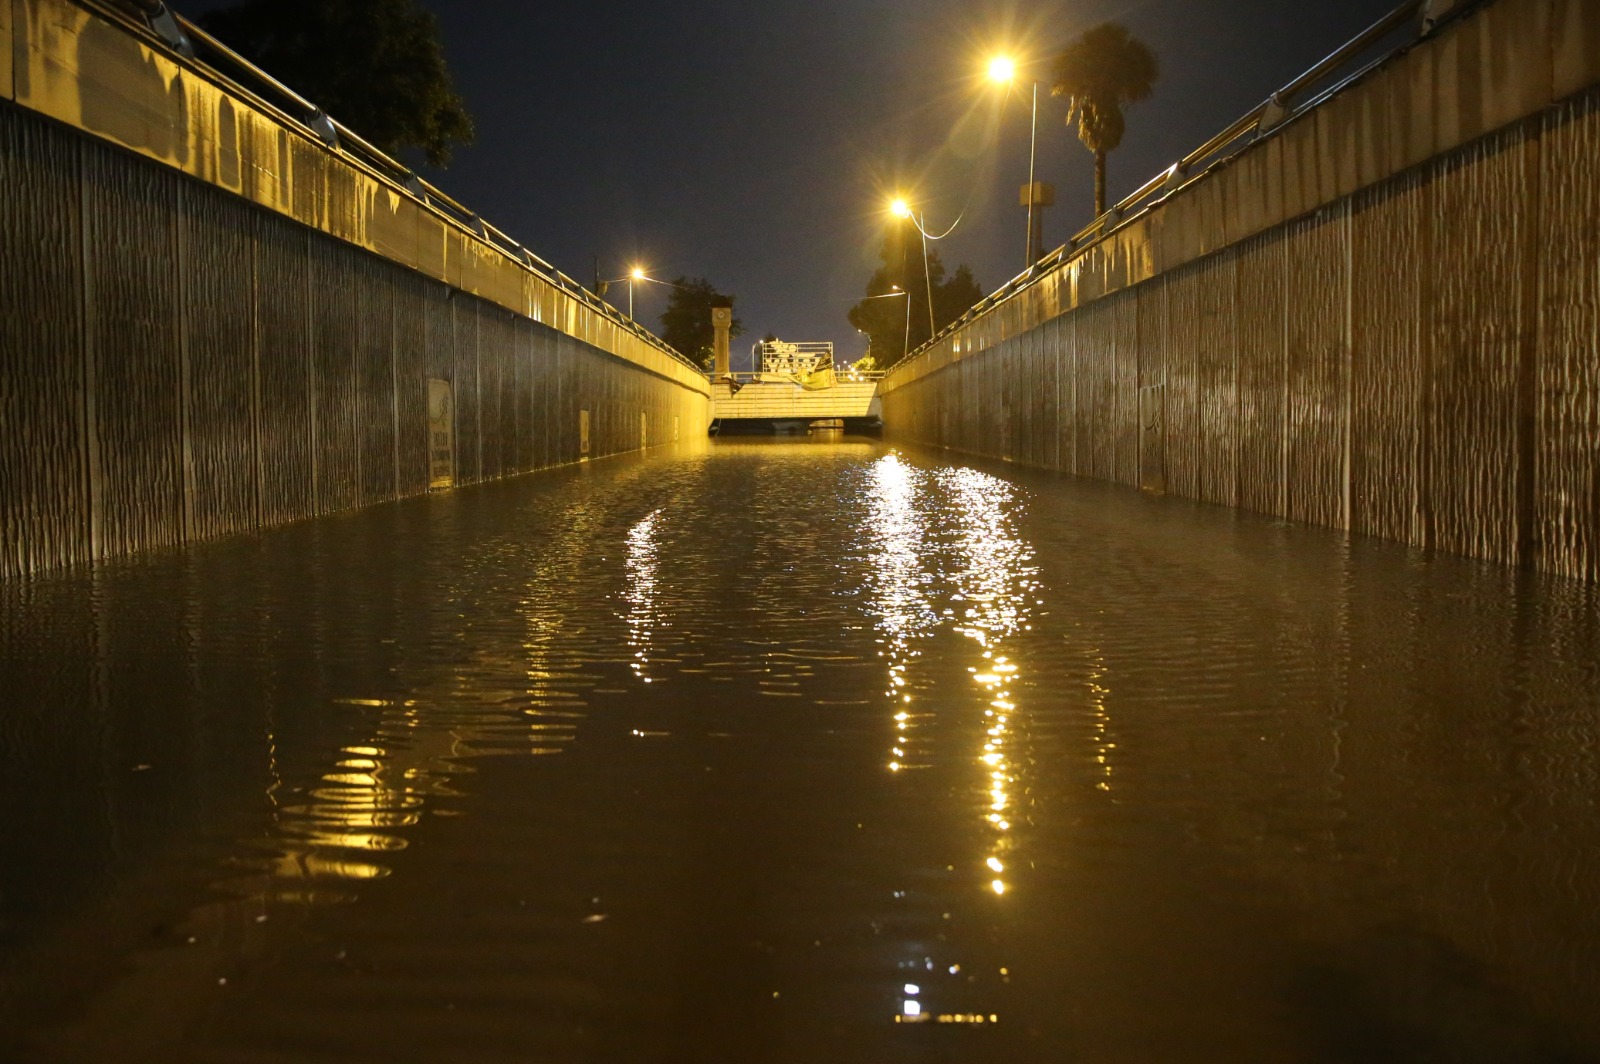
(883, 314)
(375, 65)
(1099, 72)
(686, 323)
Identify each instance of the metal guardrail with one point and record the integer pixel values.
(843, 375)
(1278, 108)
(178, 35)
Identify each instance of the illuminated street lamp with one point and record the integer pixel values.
(905, 337)
(1003, 71)
(902, 210)
(895, 293)
(635, 274)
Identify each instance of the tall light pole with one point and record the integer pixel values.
(1003, 70)
(905, 337)
(635, 274)
(901, 209)
(895, 292)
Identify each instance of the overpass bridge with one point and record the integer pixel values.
(762, 397)
(792, 386)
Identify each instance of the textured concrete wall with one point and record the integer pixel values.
(91, 72)
(179, 363)
(1384, 318)
(210, 322)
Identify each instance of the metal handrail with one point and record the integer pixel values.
(1269, 115)
(308, 116)
(841, 373)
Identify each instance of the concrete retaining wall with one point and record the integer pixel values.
(1385, 317)
(234, 332)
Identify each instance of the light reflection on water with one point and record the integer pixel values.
(952, 535)
(849, 739)
(997, 582)
(898, 572)
(640, 594)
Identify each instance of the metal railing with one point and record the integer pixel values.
(842, 375)
(178, 36)
(1327, 77)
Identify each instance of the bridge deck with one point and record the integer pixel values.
(784, 400)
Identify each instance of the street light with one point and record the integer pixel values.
(635, 274)
(905, 337)
(895, 293)
(901, 209)
(1003, 70)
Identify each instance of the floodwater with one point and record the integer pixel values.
(798, 751)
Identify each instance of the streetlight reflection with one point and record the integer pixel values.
(998, 580)
(899, 591)
(640, 592)
(951, 537)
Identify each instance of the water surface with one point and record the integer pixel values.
(798, 751)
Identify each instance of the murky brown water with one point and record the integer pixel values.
(796, 751)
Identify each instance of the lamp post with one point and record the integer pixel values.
(635, 274)
(901, 209)
(1003, 70)
(905, 337)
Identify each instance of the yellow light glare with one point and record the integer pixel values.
(1002, 69)
(899, 208)
(999, 887)
(638, 273)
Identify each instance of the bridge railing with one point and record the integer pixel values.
(178, 35)
(842, 375)
(1339, 68)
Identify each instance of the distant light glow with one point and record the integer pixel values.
(899, 208)
(637, 273)
(1002, 69)
(911, 1008)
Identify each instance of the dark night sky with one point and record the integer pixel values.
(755, 143)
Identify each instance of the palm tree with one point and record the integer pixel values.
(1098, 73)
